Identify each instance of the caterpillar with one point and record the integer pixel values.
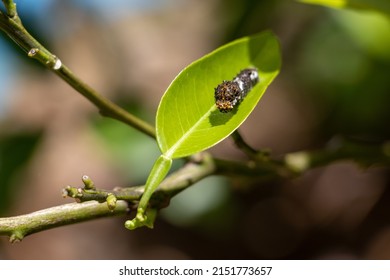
(230, 93)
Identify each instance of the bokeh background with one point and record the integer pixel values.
(334, 83)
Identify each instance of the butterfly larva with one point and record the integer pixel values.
(229, 93)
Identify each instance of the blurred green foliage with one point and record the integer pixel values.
(344, 65)
(207, 205)
(377, 5)
(15, 151)
(134, 153)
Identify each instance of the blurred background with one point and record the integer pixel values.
(334, 83)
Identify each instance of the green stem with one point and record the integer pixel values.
(106, 107)
(190, 173)
(364, 154)
(10, 6)
(257, 155)
(241, 144)
(294, 164)
(15, 30)
(20, 226)
(160, 169)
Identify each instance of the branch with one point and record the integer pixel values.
(10, 6)
(242, 145)
(101, 203)
(106, 107)
(119, 201)
(13, 27)
(199, 167)
(20, 226)
(338, 149)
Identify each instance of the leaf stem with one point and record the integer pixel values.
(160, 169)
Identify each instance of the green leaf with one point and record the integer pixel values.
(187, 119)
(382, 6)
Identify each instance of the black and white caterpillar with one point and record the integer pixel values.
(230, 93)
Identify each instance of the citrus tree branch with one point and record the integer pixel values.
(364, 154)
(339, 148)
(12, 26)
(10, 6)
(20, 226)
(100, 203)
(105, 106)
(96, 202)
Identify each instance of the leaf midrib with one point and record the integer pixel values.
(169, 153)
